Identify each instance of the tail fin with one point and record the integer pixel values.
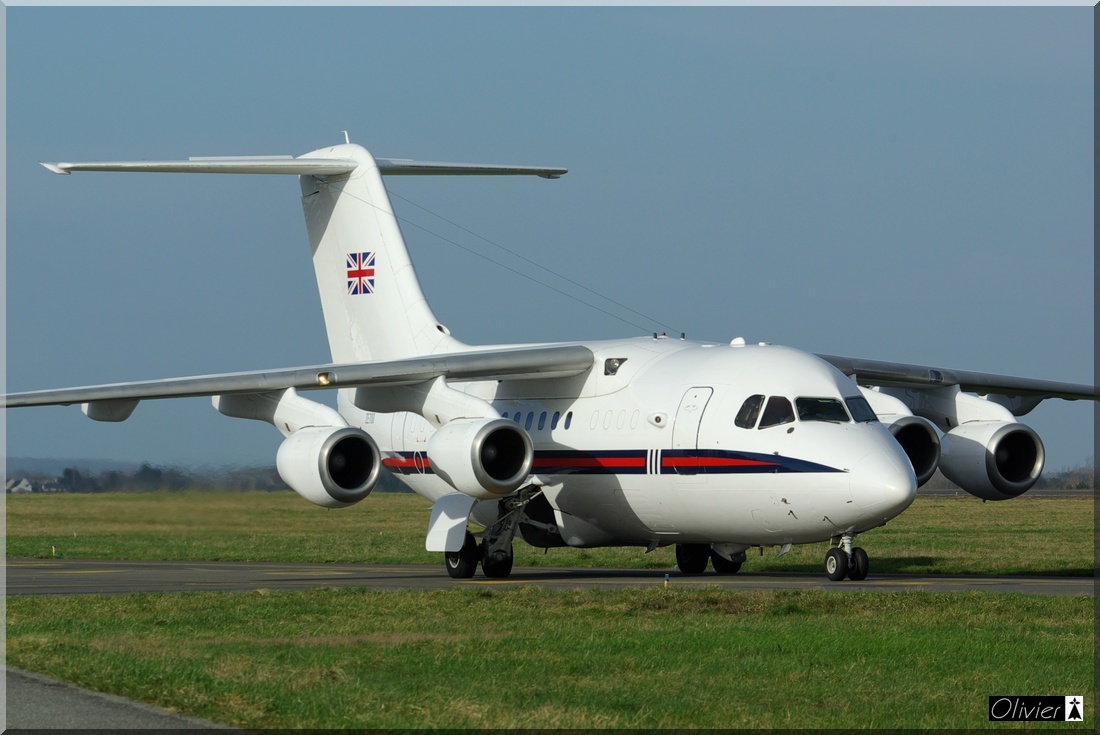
(373, 306)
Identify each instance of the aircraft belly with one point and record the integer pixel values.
(600, 504)
(754, 509)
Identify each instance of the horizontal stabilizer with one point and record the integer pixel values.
(304, 167)
(405, 167)
(228, 165)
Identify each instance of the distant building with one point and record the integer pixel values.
(19, 486)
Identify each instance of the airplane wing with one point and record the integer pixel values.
(923, 377)
(507, 364)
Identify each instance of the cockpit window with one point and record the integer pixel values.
(750, 412)
(778, 411)
(861, 409)
(821, 409)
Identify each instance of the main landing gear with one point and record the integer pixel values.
(462, 564)
(494, 553)
(844, 561)
(691, 559)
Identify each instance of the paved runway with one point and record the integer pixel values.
(86, 576)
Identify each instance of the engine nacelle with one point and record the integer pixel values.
(921, 443)
(484, 458)
(992, 460)
(332, 467)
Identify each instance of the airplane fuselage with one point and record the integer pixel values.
(648, 447)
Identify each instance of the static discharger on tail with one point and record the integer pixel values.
(647, 442)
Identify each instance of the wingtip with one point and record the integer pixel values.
(54, 168)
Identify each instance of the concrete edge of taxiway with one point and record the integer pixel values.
(37, 702)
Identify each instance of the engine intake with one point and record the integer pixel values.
(331, 467)
(921, 443)
(484, 458)
(993, 460)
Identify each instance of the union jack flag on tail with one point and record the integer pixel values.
(360, 273)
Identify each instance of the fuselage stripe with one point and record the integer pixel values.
(633, 462)
(713, 462)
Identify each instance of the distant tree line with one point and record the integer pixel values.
(149, 477)
(1081, 477)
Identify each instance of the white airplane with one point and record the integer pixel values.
(647, 442)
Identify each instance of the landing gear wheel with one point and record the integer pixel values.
(497, 564)
(722, 565)
(860, 565)
(462, 564)
(692, 558)
(836, 564)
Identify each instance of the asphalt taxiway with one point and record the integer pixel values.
(88, 576)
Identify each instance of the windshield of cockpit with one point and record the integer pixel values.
(777, 410)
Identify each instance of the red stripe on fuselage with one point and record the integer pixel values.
(402, 462)
(589, 462)
(712, 462)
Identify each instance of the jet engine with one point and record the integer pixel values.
(330, 466)
(484, 458)
(992, 460)
(921, 443)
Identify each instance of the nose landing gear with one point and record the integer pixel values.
(844, 561)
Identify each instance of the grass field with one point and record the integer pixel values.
(936, 535)
(537, 658)
(557, 658)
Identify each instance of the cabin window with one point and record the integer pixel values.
(542, 420)
(554, 420)
(861, 410)
(821, 409)
(530, 420)
(504, 415)
(778, 411)
(568, 420)
(519, 416)
(750, 412)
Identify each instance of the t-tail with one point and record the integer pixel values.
(373, 305)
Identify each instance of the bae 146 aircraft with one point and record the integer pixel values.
(647, 441)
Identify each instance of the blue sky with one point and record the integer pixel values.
(908, 184)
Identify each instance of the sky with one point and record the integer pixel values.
(905, 184)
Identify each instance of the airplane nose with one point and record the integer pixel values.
(883, 483)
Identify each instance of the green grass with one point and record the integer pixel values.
(538, 658)
(936, 535)
(524, 657)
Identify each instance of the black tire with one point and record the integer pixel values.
(462, 564)
(836, 564)
(692, 558)
(722, 565)
(498, 565)
(860, 565)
